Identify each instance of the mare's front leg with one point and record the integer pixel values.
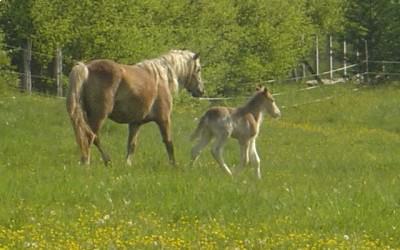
(132, 140)
(165, 130)
(217, 151)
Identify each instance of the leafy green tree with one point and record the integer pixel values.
(215, 34)
(7, 79)
(16, 24)
(241, 42)
(327, 16)
(269, 41)
(389, 45)
(377, 23)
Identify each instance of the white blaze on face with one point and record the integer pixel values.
(277, 112)
(271, 106)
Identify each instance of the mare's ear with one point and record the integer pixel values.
(196, 55)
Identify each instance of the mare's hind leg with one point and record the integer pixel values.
(84, 144)
(205, 138)
(95, 125)
(165, 130)
(254, 158)
(218, 149)
(132, 140)
(106, 158)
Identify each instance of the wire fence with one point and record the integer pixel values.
(354, 72)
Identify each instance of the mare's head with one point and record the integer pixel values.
(194, 83)
(188, 70)
(269, 103)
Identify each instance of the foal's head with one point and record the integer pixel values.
(268, 102)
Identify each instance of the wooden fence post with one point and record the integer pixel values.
(27, 57)
(344, 59)
(58, 72)
(330, 57)
(316, 56)
(366, 60)
(359, 62)
(296, 75)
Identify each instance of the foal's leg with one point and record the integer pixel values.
(244, 154)
(165, 129)
(217, 151)
(132, 139)
(254, 158)
(205, 138)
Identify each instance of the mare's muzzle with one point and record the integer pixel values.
(197, 93)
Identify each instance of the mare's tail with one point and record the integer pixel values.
(83, 133)
(200, 127)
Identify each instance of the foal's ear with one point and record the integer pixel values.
(261, 88)
(196, 55)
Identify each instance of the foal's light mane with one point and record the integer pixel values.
(253, 105)
(174, 67)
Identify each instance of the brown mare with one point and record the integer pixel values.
(132, 94)
(242, 123)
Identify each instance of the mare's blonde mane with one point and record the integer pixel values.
(171, 67)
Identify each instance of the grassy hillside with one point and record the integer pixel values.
(330, 179)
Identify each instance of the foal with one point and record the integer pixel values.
(242, 123)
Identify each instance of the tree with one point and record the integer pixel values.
(241, 43)
(269, 41)
(6, 77)
(377, 23)
(327, 16)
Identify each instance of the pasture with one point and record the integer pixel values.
(330, 179)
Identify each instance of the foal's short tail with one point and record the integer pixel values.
(83, 133)
(200, 127)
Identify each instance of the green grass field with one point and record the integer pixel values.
(330, 169)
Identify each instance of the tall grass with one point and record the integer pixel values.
(330, 179)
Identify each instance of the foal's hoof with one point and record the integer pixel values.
(229, 172)
(129, 162)
(237, 170)
(108, 163)
(172, 163)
